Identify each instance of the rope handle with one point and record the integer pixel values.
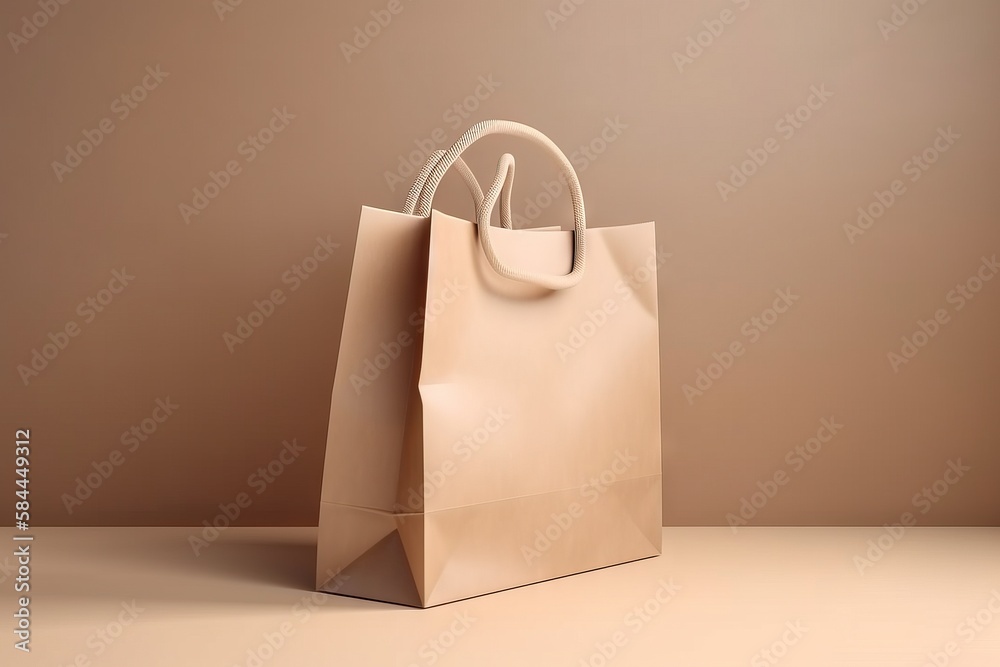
(421, 196)
(470, 181)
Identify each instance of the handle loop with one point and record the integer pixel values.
(470, 180)
(421, 196)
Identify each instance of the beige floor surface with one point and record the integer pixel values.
(134, 597)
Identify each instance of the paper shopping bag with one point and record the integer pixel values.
(495, 412)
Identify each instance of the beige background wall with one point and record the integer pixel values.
(879, 98)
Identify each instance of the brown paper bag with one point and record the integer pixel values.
(495, 413)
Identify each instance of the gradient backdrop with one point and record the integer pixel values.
(823, 176)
